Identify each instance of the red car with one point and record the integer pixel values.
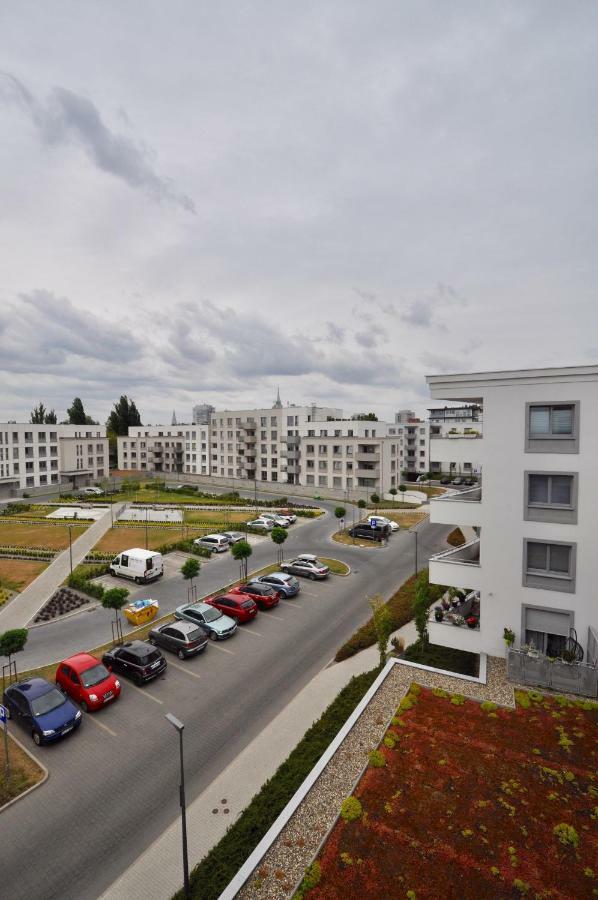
(264, 595)
(87, 681)
(238, 607)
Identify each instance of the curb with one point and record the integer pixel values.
(39, 783)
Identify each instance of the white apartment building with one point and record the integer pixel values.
(165, 448)
(533, 521)
(414, 441)
(454, 433)
(34, 456)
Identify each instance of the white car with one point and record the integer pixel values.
(382, 520)
(217, 543)
(92, 491)
(268, 524)
(283, 521)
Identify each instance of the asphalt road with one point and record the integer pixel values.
(113, 786)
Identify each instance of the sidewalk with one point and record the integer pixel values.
(25, 606)
(157, 873)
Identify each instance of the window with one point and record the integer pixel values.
(547, 629)
(550, 566)
(550, 497)
(552, 428)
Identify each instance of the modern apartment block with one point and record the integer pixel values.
(454, 433)
(33, 456)
(414, 435)
(165, 448)
(532, 523)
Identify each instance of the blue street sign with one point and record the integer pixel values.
(3, 714)
(374, 523)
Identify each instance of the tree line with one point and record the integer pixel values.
(123, 414)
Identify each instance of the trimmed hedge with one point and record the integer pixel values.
(400, 606)
(214, 872)
(80, 580)
(29, 552)
(460, 661)
(186, 546)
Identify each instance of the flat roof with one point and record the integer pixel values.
(468, 385)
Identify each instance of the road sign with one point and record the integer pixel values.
(374, 523)
(3, 715)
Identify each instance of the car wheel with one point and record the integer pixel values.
(152, 641)
(84, 706)
(138, 680)
(181, 654)
(137, 580)
(312, 576)
(36, 738)
(112, 572)
(213, 636)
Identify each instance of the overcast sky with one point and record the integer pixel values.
(204, 201)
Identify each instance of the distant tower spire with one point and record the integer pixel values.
(278, 402)
(174, 421)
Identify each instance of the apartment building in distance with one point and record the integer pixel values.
(534, 519)
(414, 436)
(454, 433)
(35, 456)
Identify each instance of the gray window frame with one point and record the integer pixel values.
(551, 581)
(549, 609)
(552, 443)
(559, 513)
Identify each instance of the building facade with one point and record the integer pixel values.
(454, 432)
(35, 456)
(531, 525)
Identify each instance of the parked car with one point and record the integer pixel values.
(287, 585)
(457, 481)
(288, 515)
(234, 536)
(182, 638)
(469, 482)
(445, 480)
(382, 520)
(41, 709)
(237, 606)
(217, 543)
(268, 524)
(365, 531)
(138, 564)
(217, 626)
(137, 660)
(92, 491)
(87, 681)
(265, 595)
(307, 565)
(422, 479)
(282, 521)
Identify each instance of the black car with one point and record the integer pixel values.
(182, 638)
(469, 482)
(137, 660)
(445, 480)
(365, 530)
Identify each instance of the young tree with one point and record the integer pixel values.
(340, 512)
(115, 599)
(402, 488)
(76, 413)
(361, 504)
(38, 415)
(241, 551)
(12, 642)
(382, 624)
(375, 498)
(279, 536)
(393, 492)
(421, 607)
(124, 414)
(190, 569)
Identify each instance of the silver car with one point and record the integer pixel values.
(234, 536)
(307, 565)
(217, 626)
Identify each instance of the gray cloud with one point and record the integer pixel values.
(67, 117)
(334, 333)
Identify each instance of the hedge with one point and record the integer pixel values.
(29, 552)
(449, 658)
(213, 873)
(400, 606)
(80, 580)
(186, 546)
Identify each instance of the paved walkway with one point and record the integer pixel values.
(25, 606)
(157, 873)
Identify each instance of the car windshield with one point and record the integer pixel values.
(247, 604)
(195, 635)
(210, 615)
(47, 702)
(150, 657)
(94, 675)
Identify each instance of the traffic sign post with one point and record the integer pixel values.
(3, 721)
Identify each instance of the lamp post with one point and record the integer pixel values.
(414, 533)
(146, 514)
(179, 727)
(70, 547)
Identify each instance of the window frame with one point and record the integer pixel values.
(559, 513)
(552, 443)
(550, 580)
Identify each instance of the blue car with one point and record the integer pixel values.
(43, 710)
(286, 585)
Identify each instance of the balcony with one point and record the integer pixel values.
(290, 454)
(367, 457)
(246, 424)
(468, 434)
(293, 467)
(460, 567)
(291, 440)
(361, 472)
(458, 508)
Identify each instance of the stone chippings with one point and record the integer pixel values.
(285, 862)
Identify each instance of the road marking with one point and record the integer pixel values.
(145, 693)
(247, 631)
(90, 718)
(217, 646)
(308, 594)
(183, 669)
(294, 605)
(274, 616)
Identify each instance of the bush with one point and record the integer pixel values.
(216, 869)
(566, 834)
(446, 658)
(80, 580)
(376, 759)
(351, 809)
(400, 608)
(311, 879)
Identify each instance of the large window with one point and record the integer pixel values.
(550, 497)
(550, 566)
(546, 629)
(552, 427)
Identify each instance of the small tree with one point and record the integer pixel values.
(279, 536)
(393, 491)
(115, 599)
(340, 512)
(402, 488)
(12, 642)
(421, 606)
(361, 504)
(190, 569)
(382, 624)
(375, 498)
(241, 551)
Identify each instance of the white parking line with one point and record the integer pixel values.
(294, 605)
(183, 669)
(308, 594)
(217, 646)
(90, 718)
(247, 631)
(274, 616)
(145, 693)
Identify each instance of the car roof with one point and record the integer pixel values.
(279, 576)
(80, 661)
(199, 607)
(185, 627)
(214, 535)
(138, 648)
(33, 687)
(139, 551)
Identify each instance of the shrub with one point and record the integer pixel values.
(488, 706)
(566, 834)
(376, 759)
(457, 699)
(351, 809)
(390, 742)
(310, 880)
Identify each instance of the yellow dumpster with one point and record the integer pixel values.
(141, 611)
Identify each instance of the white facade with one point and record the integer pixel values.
(454, 432)
(165, 448)
(535, 515)
(33, 456)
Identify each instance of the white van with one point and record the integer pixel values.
(140, 565)
(217, 543)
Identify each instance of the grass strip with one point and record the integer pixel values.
(214, 872)
(335, 565)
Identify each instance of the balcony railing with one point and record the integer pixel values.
(456, 434)
(473, 495)
(367, 457)
(292, 440)
(468, 555)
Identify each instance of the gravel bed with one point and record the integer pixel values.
(293, 850)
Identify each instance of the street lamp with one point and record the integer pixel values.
(146, 514)
(179, 727)
(70, 547)
(414, 533)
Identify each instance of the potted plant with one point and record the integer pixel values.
(568, 656)
(508, 637)
(472, 621)
(438, 613)
(458, 620)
